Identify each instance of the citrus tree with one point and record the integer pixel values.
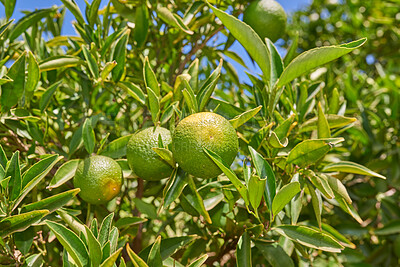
(136, 143)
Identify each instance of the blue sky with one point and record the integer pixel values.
(31, 5)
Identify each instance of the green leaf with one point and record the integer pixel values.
(88, 136)
(136, 260)
(172, 19)
(154, 259)
(199, 262)
(320, 181)
(13, 170)
(276, 62)
(9, 6)
(244, 117)
(166, 155)
(108, 67)
(243, 251)
(28, 20)
(23, 240)
(309, 237)
(64, 173)
(334, 121)
(71, 242)
(275, 142)
(94, 247)
(338, 188)
(150, 78)
(46, 97)
(18, 223)
(204, 95)
(256, 190)
(315, 57)
(12, 92)
(168, 246)
(230, 174)
(174, 187)
(264, 170)
(5, 26)
(249, 39)
(119, 56)
(322, 125)
(196, 201)
(274, 254)
(117, 148)
(142, 19)
(283, 197)
(292, 50)
(351, 167)
(210, 79)
(316, 202)
(52, 203)
(308, 152)
(105, 229)
(393, 227)
(33, 73)
(134, 91)
(93, 12)
(91, 61)
(333, 232)
(109, 262)
(57, 62)
(154, 105)
(344, 205)
(74, 8)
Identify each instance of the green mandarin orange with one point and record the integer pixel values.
(142, 159)
(204, 130)
(99, 178)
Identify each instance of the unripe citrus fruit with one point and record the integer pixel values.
(204, 129)
(99, 178)
(142, 159)
(267, 18)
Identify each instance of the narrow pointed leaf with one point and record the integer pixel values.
(309, 237)
(244, 117)
(308, 152)
(71, 242)
(109, 262)
(264, 170)
(19, 223)
(52, 203)
(230, 174)
(150, 78)
(94, 247)
(248, 38)
(351, 167)
(314, 58)
(88, 136)
(243, 251)
(172, 19)
(64, 173)
(46, 97)
(136, 260)
(283, 197)
(154, 259)
(57, 62)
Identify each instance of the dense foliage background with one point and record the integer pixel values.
(296, 195)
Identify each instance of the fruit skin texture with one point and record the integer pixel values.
(99, 178)
(204, 129)
(142, 159)
(267, 18)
